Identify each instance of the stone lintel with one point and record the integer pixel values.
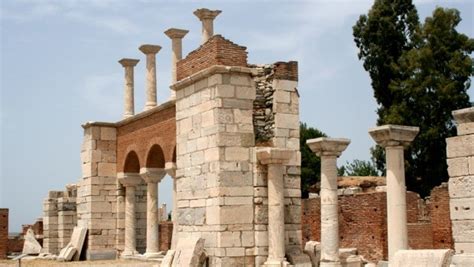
(170, 168)
(325, 146)
(464, 115)
(152, 175)
(394, 135)
(149, 49)
(98, 123)
(174, 33)
(129, 179)
(204, 13)
(271, 155)
(128, 62)
(216, 69)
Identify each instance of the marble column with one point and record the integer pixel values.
(152, 177)
(275, 159)
(150, 52)
(170, 168)
(176, 36)
(207, 17)
(329, 149)
(130, 181)
(394, 138)
(129, 105)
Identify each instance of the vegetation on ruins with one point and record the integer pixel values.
(310, 163)
(420, 72)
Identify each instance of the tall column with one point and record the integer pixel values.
(176, 36)
(129, 105)
(152, 177)
(329, 149)
(150, 52)
(130, 181)
(275, 158)
(170, 168)
(207, 17)
(394, 138)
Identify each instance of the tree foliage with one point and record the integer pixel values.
(360, 168)
(420, 73)
(310, 163)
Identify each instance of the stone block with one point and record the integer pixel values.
(460, 146)
(235, 252)
(101, 254)
(423, 257)
(458, 166)
(313, 250)
(225, 90)
(108, 133)
(463, 231)
(461, 187)
(107, 169)
(463, 260)
(191, 216)
(244, 92)
(189, 252)
(77, 240)
(465, 128)
(228, 239)
(31, 246)
(241, 79)
(471, 165)
(287, 121)
(168, 259)
(236, 214)
(462, 208)
(237, 154)
(285, 85)
(464, 247)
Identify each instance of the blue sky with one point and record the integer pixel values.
(59, 69)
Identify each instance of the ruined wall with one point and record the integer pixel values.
(50, 222)
(3, 233)
(165, 232)
(460, 157)
(363, 223)
(440, 217)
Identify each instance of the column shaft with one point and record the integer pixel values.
(151, 81)
(130, 238)
(396, 201)
(177, 55)
(207, 29)
(276, 214)
(152, 221)
(329, 210)
(129, 100)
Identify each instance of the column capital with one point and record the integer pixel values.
(393, 135)
(271, 155)
(325, 146)
(204, 13)
(149, 49)
(170, 168)
(129, 179)
(152, 175)
(128, 62)
(464, 115)
(174, 33)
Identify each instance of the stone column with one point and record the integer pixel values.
(129, 106)
(130, 181)
(152, 177)
(329, 149)
(394, 138)
(176, 36)
(150, 52)
(170, 168)
(275, 158)
(207, 17)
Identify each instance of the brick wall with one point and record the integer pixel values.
(216, 51)
(286, 71)
(3, 233)
(165, 232)
(363, 225)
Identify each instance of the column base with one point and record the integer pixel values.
(276, 263)
(153, 255)
(330, 263)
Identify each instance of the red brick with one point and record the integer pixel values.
(3, 233)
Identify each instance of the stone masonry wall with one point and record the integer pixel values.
(96, 191)
(460, 157)
(363, 224)
(3, 233)
(263, 117)
(50, 222)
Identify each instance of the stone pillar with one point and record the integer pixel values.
(394, 138)
(150, 52)
(170, 168)
(275, 158)
(176, 36)
(129, 181)
(329, 149)
(152, 177)
(129, 106)
(207, 17)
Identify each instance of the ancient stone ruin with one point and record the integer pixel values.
(229, 138)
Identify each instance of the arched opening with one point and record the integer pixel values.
(155, 157)
(132, 164)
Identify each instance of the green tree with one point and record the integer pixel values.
(360, 168)
(310, 163)
(429, 78)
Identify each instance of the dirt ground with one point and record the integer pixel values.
(51, 263)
